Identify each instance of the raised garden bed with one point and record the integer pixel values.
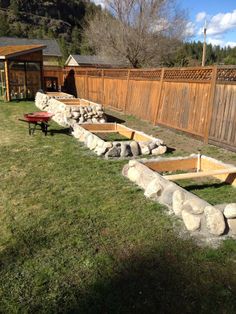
(70, 111)
(123, 142)
(200, 217)
(59, 95)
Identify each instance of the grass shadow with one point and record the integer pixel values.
(66, 131)
(206, 186)
(152, 283)
(114, 119)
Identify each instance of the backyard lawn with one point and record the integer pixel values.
(78, 237)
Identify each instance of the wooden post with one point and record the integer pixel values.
(103, 93)
(8, 96)
(127, 90)
(86, 85)
(210, 104)
(159, 97)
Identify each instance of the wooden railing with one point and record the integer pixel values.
(199, 101)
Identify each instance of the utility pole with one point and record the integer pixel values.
(204, 46)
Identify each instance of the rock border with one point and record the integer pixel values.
(70, 115)
(111, 149)
(198, 216)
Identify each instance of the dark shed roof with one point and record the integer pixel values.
(52, 47)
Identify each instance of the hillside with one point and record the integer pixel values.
(60, 19)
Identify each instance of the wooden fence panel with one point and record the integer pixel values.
(142, 98)
(183, 106)
(115, 92)
(80, 82)
(200, 101)
(223, 123)
(94, 89)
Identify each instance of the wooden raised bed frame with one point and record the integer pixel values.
(199, 165)
(118, 128)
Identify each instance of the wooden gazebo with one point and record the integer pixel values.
(21, 71)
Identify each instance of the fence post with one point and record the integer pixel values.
(210, 104)
(86, 86)
(159, 96)
(103, 94)
(127, 90)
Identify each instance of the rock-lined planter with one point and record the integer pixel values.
(70, 115)
(138, 143)
(199, 217)
(60, 95)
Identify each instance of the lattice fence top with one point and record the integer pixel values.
(146, 74)
(116, 73)
(226, 74)
(191, 74)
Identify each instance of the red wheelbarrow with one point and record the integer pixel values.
(35, 119)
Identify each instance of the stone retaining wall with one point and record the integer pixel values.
(69, 115)
(118, 149)
(199, 217)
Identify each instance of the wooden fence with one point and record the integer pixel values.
(199, 101)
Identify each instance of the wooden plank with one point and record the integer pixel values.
(8, 97)
(193, 175)
(127, 91)
(172, 165)
(210, 104)
(98, 127)
(159, 98)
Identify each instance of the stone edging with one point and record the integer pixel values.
(199, 217)
(122, 149)
(69, 115)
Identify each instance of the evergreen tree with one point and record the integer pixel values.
(14, 7)
(4, 25)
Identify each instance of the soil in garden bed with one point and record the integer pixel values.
(111, 137)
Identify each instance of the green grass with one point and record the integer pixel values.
(77, 237)
(111, 137)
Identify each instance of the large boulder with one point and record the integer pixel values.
(135, 149)
(153, 189)
(232, 225)
(192, 222)
(178, 200)
(214, 220)
(230, 211)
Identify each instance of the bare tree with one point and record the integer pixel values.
(140, 32)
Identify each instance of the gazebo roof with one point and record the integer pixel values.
(7, 52)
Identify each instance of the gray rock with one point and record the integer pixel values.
(153, 189)
(214, 220)
(81, 120)
(159, 150)
(125, 150)
(102, 120)
(196, 205)
(178, 199)
(167, 194)
(152, 145)
(135, 148)
(76, 115)
(232, 225)
(133, 174)
(145, 150)
(192, 222)
(230, 211)
(113, 152)
(89, 140)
